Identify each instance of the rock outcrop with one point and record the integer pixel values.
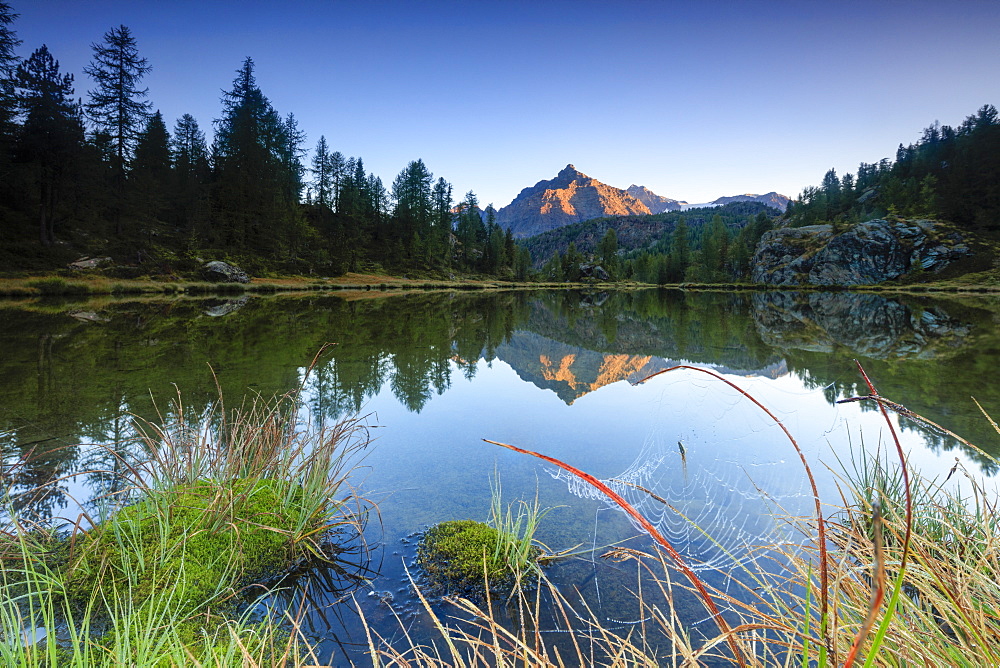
(865, 254)
(570, 197)
(655, 203)
(223, 272)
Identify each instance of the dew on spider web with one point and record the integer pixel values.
(714, 474)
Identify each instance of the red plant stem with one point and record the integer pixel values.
(651, 530)
(824, 576)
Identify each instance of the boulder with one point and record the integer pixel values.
(594, 272)
(865, 254)
(89, 263)
(223, 272)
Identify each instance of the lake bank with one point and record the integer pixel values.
(69, 283)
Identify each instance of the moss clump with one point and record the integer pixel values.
(197, 543)
(462, 555)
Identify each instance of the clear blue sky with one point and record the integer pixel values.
(693, 99)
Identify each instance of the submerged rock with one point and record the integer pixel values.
(865, 254)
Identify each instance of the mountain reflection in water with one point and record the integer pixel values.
(64, 380)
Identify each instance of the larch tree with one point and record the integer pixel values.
(117, 106)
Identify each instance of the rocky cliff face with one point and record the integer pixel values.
(570, 197)
(865, 254)
(655, 203)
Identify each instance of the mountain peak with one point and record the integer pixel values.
(569, 173)
(570, 197)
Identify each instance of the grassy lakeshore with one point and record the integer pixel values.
(65, 283)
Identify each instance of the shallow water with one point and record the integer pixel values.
(554, 372)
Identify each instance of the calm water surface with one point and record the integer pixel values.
(555, 372)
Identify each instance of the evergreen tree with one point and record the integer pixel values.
(8, 75)
(50, 140)
(442, 220)
(322, 171)
(413, 213)
(680, 251)
(149, 180)
(117, 105)
(258, 173)
(191, 179)
(608, 251)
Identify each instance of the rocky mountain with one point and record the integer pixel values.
(771, 199)
(570, 197)
(656, 203)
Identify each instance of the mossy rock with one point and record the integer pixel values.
(460, 556)
(178, 541)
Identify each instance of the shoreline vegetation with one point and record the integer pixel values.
(64, 283)
(187, 563)
(899, 566)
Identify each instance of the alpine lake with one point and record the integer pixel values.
(557, 372)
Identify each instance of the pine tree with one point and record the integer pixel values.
(608, 250)
(442, 216)
(149, 180)
(8, 75)
(257, 159)
(680, 251)
(117, 105)
(191, 179)
(322, 171)
(412, 216)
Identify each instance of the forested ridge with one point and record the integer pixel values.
(707, 245)
(99, 172)
(949, 173)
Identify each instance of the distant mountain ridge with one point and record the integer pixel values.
(656, 203)
(771, 199)
(572, 197)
